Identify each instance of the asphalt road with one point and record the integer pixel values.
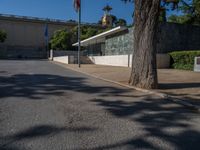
(44, 106)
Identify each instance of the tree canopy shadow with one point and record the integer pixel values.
(38, 131)
(37, 86)
(160, 120)
(188, 92)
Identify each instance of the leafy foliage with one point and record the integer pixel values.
(191, 11)
(116, 21)
(63, 39)
(179, 19)
(184, 59)
(121, 22)
(164, 2)
(3, 36)
(87, 32)
(164, 6)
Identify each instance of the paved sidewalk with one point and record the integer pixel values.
(178, 83)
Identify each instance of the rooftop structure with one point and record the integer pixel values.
(120, 40)
(41, 20)
(107, 20)
(107, 9)
(27, 36)
(100, 38)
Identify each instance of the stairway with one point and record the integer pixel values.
(86, 60)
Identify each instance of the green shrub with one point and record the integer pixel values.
(63, 39)
(3, 36)
(184, 59)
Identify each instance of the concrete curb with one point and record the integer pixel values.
(162, 95)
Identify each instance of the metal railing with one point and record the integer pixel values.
(45, 19)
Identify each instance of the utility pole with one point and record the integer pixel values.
(79, 36)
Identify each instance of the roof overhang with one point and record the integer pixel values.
(100, 38)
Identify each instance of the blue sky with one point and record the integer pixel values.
(63, 9)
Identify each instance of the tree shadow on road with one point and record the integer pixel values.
(38, 86)
(8, 142)
(161, 121)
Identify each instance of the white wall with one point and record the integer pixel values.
(196, 65)
(115, 60)
(163, 60)
(62, 59)
(65, 59)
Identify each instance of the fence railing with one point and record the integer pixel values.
(47, 19)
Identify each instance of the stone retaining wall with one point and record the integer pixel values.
(171, 37)
(20, 52)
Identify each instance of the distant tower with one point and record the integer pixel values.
(107, 20)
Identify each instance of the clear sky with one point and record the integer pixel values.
(63, 9)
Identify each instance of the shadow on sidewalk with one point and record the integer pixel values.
(174, 86)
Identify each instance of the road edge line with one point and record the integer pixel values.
(162, 95)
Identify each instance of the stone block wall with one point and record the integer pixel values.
(57, 53)
(97, 49)
(170, 37)
(25, 38)
(22, 52)
(120, 44)
(177, 37)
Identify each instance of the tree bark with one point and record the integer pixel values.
(144, 70)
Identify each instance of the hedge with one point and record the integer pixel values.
(184, 59)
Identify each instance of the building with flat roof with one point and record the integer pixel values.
(26, 35)
(119, 40)
(116, 46)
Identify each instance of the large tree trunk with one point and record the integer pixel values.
(144, 71)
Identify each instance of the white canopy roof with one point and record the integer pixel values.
(100, 37)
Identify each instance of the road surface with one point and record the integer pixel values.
(44, 106)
